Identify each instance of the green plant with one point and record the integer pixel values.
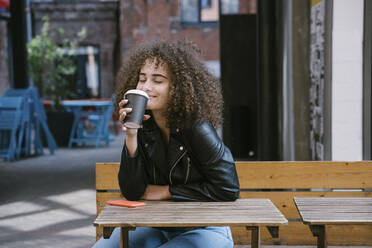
(51, 64)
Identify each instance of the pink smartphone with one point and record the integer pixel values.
(126, 203)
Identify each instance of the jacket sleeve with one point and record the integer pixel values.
(132, 175)
(216, 164)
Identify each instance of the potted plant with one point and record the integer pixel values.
(52, 67)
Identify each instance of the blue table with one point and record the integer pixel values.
(97, 113)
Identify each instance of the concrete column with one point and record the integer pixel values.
(347, 79)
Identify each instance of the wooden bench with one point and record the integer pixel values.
(281, 182)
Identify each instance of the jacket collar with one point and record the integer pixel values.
(151, 137)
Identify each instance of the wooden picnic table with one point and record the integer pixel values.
(250, 213)
(317, 212)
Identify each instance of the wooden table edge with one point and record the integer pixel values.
(336, 222)
(192, 225)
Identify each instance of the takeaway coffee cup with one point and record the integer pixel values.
(137, 100)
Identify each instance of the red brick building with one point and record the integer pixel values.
(141, 20)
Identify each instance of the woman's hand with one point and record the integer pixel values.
(123, 112)
(156, 192)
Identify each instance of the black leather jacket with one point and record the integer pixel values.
(197, 166)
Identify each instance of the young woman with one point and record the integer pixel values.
(177, 154)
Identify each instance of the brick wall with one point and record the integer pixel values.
(153, 19)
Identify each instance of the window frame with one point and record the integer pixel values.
(200, 23)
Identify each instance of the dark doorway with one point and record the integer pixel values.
(251, 73)
(238, 42)
(270, 75)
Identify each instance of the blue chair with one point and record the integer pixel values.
(26, 117)
(34, 116)
(11, 113)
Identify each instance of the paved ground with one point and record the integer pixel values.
(49, 201)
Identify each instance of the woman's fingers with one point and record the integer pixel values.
(122, 114)
(122, 103)
(146, 117)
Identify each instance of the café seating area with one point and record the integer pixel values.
(24, 129)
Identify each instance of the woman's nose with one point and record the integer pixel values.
(147, 85)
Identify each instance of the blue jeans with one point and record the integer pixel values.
(148, 237)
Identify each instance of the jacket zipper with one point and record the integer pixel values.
(188, 170)
(174, 165)
(153, 166)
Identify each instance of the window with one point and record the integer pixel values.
(86, 81)
(201, 12)
(87, 61)
(229, 7)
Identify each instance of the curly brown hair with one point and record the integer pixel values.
(194, 94)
